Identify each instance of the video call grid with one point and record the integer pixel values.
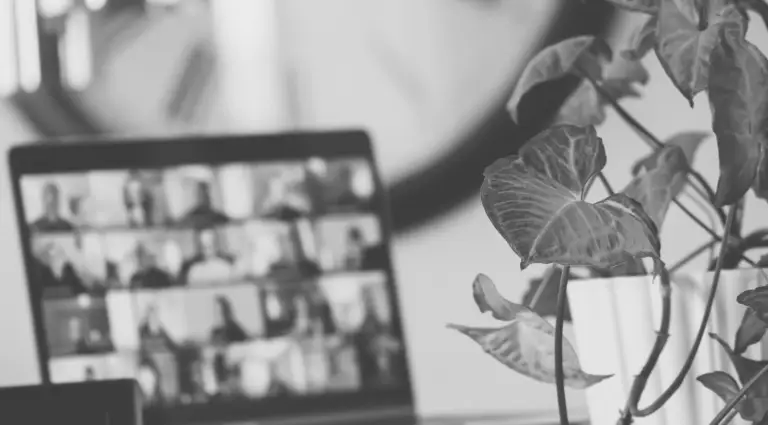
(207, 227)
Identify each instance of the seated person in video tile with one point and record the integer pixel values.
(149, 275)
(295, 262)
(203, 213)
(139, 202)
(54, 271)
(285, 200)
(152, 333)
(279, 311)
(88, 341)
(51, 220)
(209, 265)
(227, 329)
(379, 353)
(359, 255)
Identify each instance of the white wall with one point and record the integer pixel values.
(436, 264)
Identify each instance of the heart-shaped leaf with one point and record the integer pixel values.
(684, 50)
(645, 6)
(655, 188)
(757, 300)
(527, 343)
(574, 56)
(755, 405)
(536, 201)
(738, 95)
(541, 296)
(751, 331)
(642, 40)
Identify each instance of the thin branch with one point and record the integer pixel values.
(705, 190)
(685, 260)
(642, 379)
(606, 183)
(559, 374)
(708, 230)
(729, 407)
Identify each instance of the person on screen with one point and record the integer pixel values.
(139, 202)
(53, 271)
(226, 330)
(149, 275)
(202, 213)
(359, 255)
(378, 350)
(152, 333)
(209, 266)
(87, 342)
(51, 220)
(284, 201)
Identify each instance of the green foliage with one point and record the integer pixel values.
(525, 343)
(536, 199)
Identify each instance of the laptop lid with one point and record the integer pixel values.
(234, 277)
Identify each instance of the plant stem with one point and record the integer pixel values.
(642, 379)
(691, 256)
(729, 417)
(705, 190)
(662, 335)
(606, 183)
(729, 407)
(710, 231)
(559, 374)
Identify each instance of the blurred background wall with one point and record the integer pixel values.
(417, 75)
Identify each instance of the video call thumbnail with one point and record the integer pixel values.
(332, 333)
(195, 195)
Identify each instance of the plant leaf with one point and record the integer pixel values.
(535, 200)
(645, 6)
(757, 300)
(585, 106)
(546, 304)
(574, 56)
(654, 189)
(760, 185)
(721, 384)
(488, 298)
(527, 346)
(755, 404)
(689, 141)
(751, 331)
(642, 40)
(738, 83)
(527, 343)
(684, 50)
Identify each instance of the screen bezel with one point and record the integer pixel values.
(109, 154)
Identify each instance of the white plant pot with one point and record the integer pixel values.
(615, 322)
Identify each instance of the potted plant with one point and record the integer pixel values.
(538, 202)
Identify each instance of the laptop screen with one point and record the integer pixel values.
(214, 284)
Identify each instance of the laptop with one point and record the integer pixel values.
(237, 279)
